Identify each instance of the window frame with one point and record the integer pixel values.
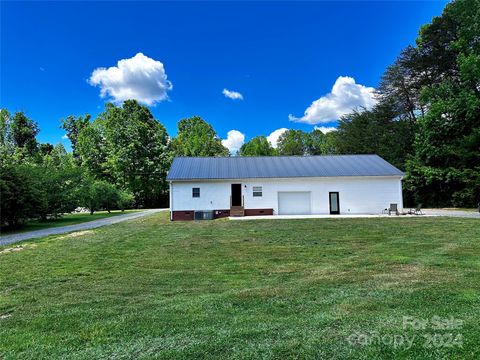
(256, 192)
(195, 192)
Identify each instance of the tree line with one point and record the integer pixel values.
(426, 122)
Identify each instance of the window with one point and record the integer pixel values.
(257, 191)
(195, 192)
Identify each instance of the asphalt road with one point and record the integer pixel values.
(11, 239)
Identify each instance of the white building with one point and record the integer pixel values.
(243, 186)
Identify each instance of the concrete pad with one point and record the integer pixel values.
(324, 216)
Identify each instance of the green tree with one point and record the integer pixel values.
(445, 169)
(125, 200)
(329, 144)
(73, 125)
(45, 149)
(21, 195)
(24, 132)
(7, 148)
(258, 146)
(318, 143)
(401, 85)
(58, 176)
(196, 137)
(128, 147)
(90, 194)
(293, 142)
(92, 151)
(376, 131)
(4, 127)
(100, 194)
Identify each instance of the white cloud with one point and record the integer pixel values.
(273, 137)
(325, 129)
(345, 96)
(234, 141)
(65, 137)
(234, 95)
(140, 78)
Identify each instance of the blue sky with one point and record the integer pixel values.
(281, 57)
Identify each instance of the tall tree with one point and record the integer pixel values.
(401, 84)
(92, 150)
(258, 146)
(196, 137)
(446, 167)
(319, 143)
(376, 131)
(73, 125)
(293, 142)
(24, 132)
(4, 127)
(7, 147)
(129, 147)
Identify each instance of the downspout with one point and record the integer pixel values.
(401, 193)
(170, 195)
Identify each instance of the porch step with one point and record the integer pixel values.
(237, 211)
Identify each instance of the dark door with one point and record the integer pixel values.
(236, 194)
(334, 203)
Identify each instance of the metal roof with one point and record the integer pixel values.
(237, 167)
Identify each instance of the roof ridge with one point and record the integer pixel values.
(272, 156)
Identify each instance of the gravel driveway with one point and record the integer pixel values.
(452, 213)
(10, 239)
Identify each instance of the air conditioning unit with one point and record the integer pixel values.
(204, 215)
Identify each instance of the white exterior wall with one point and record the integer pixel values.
(358, 195)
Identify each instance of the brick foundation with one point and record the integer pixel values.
(256, 212)
(221, 213)
(186, 215)
(183, 215)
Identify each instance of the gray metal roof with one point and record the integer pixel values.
(196, 168)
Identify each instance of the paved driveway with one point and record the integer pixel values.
(10, 239)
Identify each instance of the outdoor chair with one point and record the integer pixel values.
(418, 210)
(393, 208)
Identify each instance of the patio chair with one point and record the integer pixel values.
(418, 210)
(393, 208)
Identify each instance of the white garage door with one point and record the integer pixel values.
(293, 203)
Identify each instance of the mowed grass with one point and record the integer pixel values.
(266, 289)
(66, 219)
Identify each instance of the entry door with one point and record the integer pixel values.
(236, 194)
(334, 203)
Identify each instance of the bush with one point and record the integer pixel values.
(125, 200)
(21, 195)
(99, 194)
(59, 190)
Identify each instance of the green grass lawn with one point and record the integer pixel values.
(67, 219)
(149, 288)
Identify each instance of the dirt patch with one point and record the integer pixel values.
(17, 248)
(76, 234)
(400, 275)
(408, 275)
